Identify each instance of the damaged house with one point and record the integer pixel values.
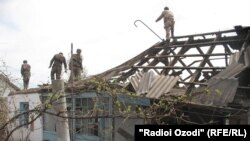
(210, 69)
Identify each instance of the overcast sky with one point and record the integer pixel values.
(35, 30)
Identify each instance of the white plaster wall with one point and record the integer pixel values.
(5, 89)
(14, 106)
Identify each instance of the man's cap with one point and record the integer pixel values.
(25, 61)
(78, 50)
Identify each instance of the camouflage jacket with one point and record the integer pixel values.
(58, 60)
(75, 61)
(25, 69)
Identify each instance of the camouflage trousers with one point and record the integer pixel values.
(56, 70)
(26, 79)
(169, 27)
(75, 74)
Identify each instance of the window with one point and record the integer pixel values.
(24, 118)
(85, 126)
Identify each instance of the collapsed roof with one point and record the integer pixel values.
(200, 63)
(211, 67)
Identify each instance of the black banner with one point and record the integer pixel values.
(201, 132)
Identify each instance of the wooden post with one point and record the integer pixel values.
(62, 127)
(248, 117)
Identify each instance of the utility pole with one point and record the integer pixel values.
(62, 125)
(72, 95)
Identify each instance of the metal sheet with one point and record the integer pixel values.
(230, 72)
(135, 80)
(157, 86)
(154, 86)
(222, 87)
(146, 82)
(219, 93)
(162, 85)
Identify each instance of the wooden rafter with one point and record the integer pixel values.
(178, 57)
(196, 75)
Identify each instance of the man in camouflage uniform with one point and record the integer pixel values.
(57, 62)
(169, 22)
(25, 71)
(75, 65)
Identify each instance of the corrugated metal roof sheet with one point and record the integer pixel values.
(222, 87)
(146, 82)
(154, 86)
(162, 86)
(230, 72)
(220, 93)
(135, 80)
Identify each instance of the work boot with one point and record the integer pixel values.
(167, 42)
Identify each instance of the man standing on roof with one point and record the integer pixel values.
(57, 62)
(75, 65)
(25, 71)
(169, 22)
